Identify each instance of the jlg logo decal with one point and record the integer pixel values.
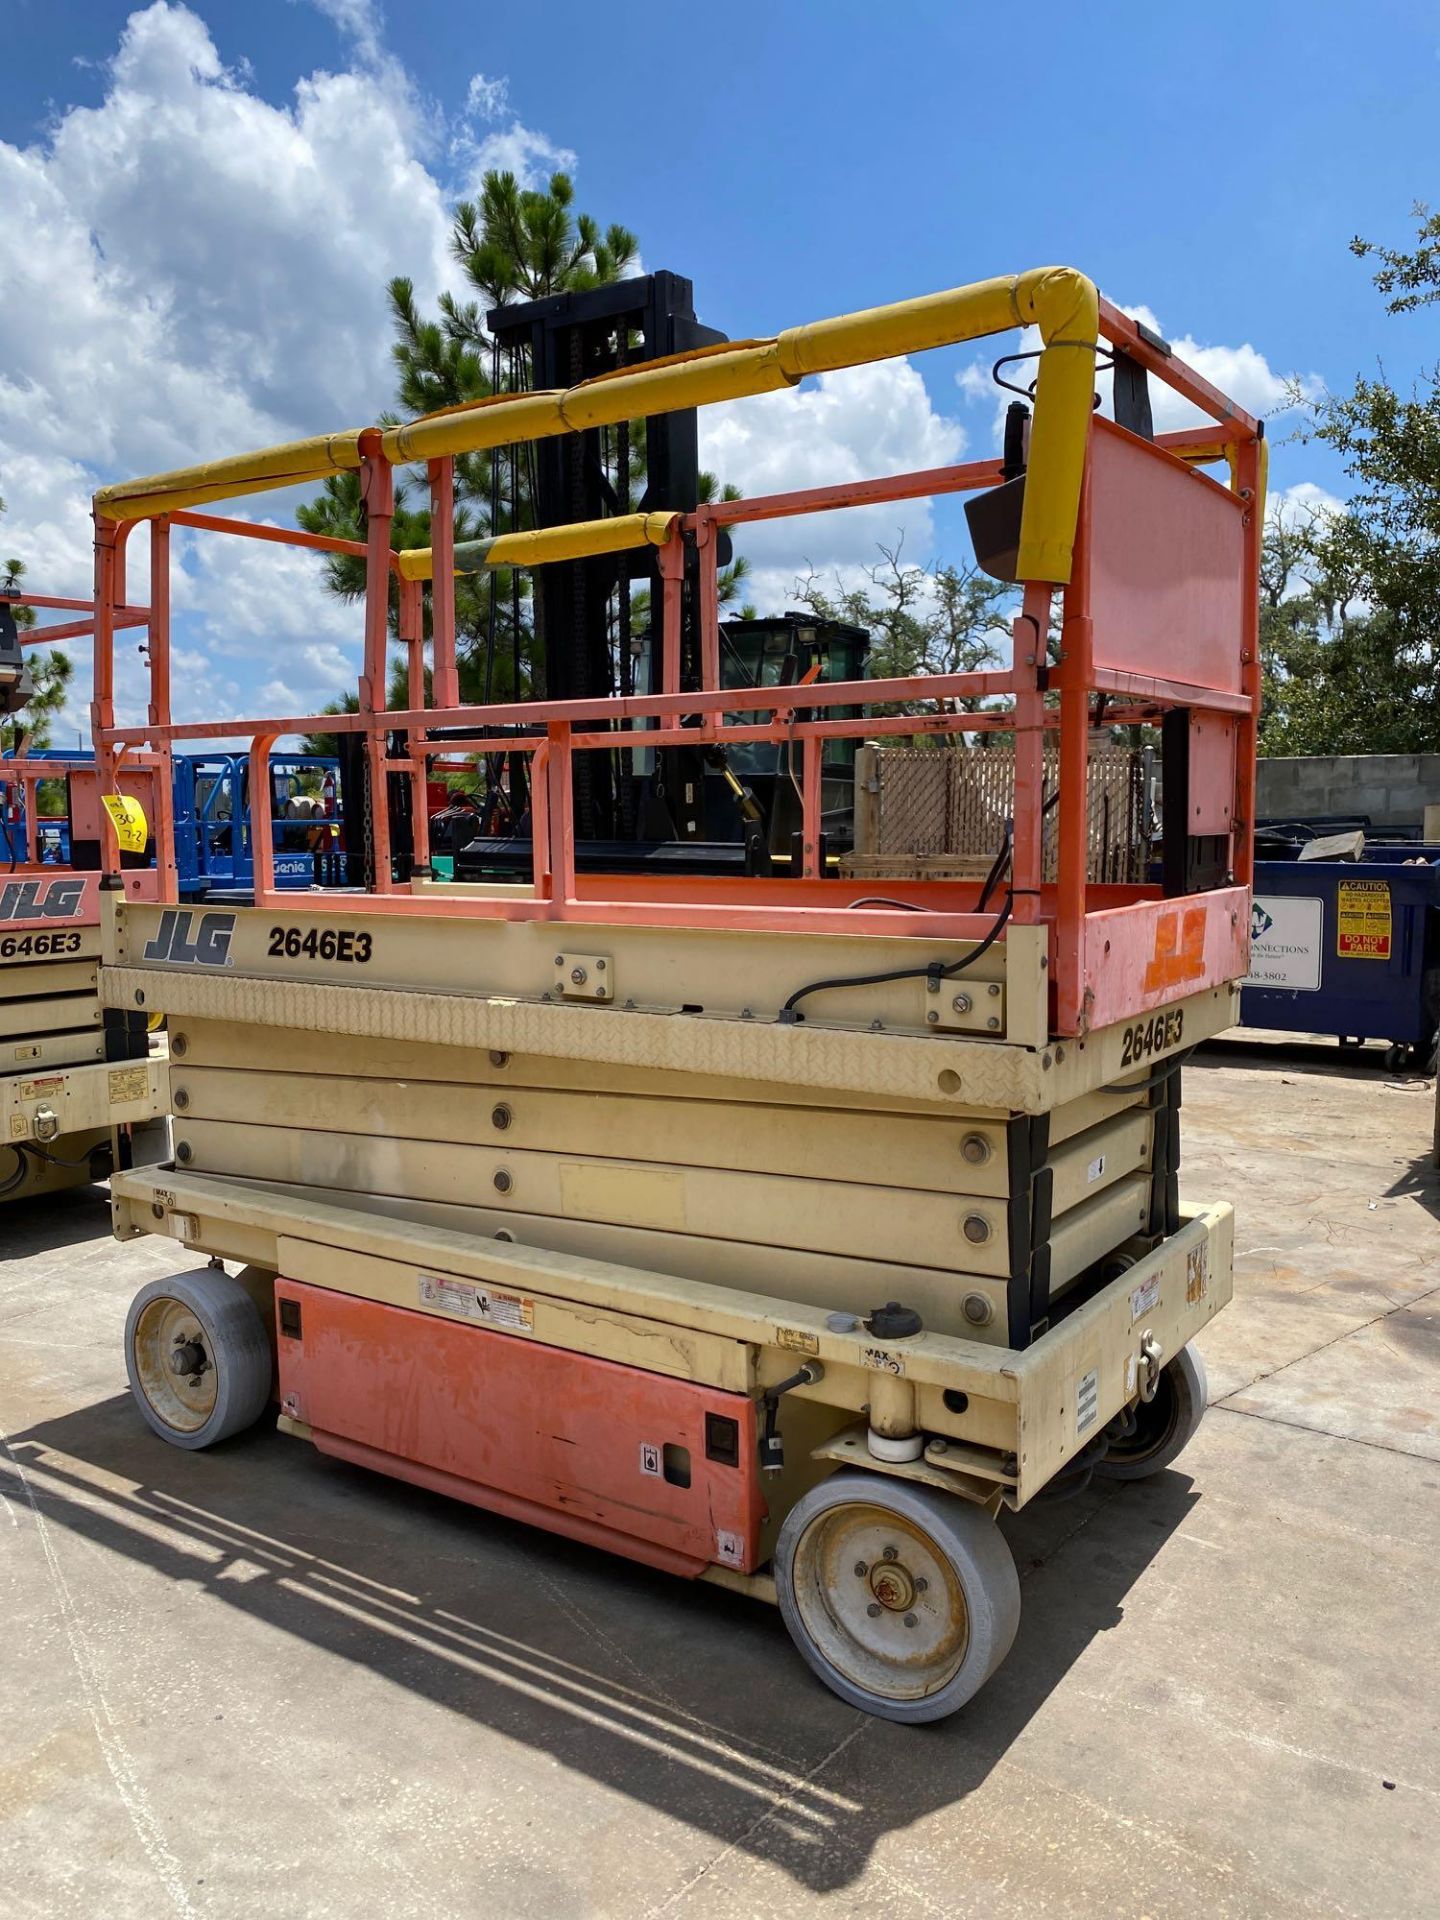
(41, 900)
(1179, 950)
(176, 945)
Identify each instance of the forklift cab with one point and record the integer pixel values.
(779, 653)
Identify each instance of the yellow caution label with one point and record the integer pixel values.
(1363, 920)
(131, 829)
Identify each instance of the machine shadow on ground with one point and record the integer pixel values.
(51, 1221)
(675, 1694)
(1291, 1055)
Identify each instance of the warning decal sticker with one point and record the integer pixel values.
(1087, 1402)
(510, 1310)
(1363, 920)
(129, 1083)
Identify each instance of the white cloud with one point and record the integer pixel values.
(1301, 505)
(853, 425)
(362, 23)
(488, 135)
(191, 270)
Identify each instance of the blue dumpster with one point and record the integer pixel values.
(1349, 947)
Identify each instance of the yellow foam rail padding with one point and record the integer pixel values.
(1060, 302)
(574, 542)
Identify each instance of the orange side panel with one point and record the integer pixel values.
(581, 1446)
(1167, 565)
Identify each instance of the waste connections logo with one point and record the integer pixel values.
(1260, 920)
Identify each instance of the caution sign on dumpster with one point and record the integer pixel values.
(1363, 920)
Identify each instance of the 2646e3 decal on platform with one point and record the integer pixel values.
(1152, 1036)
(42, 899)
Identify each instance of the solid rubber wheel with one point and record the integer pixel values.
(1165, 1426)
(903, 1599)
(198, 1356)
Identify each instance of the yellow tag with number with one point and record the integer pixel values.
(131, 830)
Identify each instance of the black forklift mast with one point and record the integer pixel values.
(567, 338)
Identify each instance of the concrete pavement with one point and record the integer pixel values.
(255, 1681)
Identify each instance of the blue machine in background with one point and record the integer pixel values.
(54, 832)
(1349, 947)
(214, 846)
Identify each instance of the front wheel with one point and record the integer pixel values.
(902, 1599)
(1164, 1426)
(198, 1355)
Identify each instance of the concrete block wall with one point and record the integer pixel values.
(1392, 788)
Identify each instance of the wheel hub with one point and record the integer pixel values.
(893, 1585)
(172, 1358)
(878, 1597)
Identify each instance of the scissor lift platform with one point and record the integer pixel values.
(757, 1228)
(80, 1088)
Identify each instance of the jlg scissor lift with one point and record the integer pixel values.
(80, 1091)
(752, 1226)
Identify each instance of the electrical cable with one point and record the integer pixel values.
(881, 900)
(936, 971)
(51, 1159)
(1156, 1079)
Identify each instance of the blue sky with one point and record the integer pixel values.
(176, 185)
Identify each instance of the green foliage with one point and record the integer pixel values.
(50, 672)
(1336, 679)
(940, 619)
(514, 243)
(523, 243)
(1350, 637)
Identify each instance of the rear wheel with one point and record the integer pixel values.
(198, 1355)
(903, 1599)
(1164, 1426)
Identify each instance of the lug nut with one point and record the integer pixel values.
(910, 1620)
(861, 1569)
(873, 1609)
(891, 1553)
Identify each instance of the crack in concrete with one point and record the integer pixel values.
(777, 1806)
(1323, 1433)
(1271, 1373)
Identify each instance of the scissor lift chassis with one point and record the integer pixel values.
(61, 1099)
(534, 1254)
(639, 1203)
